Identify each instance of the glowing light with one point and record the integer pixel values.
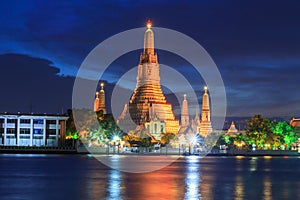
(267, 157)
(102, 84)
(116, 138)
(149, 24)
(205, 88)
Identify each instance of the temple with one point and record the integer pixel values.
(148, 106)
(148, 93)
(232, 129)
(99, 102)
(205, 125)
(185, 119)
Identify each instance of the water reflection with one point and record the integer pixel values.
(267, 188)
(253, 164)
(239, 188)
(81, 177)
(192, 180)
(114, 185)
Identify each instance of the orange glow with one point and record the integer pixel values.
(149, 24)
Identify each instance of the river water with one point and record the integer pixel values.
(83, 177)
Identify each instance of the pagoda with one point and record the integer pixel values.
(99, 102)
(205, 125)
(148, 94)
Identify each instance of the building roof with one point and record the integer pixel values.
(19, 114)
(295, 122)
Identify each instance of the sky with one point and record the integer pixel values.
(255, 45)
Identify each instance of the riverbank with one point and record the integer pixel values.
(163, 151)
(37, 150)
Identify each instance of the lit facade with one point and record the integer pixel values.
(156, 128)
(232, 129)
(148, 92)
(32, 130)
(99, 102)
(295, 122)
(205, 125)
(185, 119)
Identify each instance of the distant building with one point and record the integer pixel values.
(232, 129)
(295, 122)
(32, 130)
(156, 128)
(205, 125)
(188, 127)
(99, 102)
(185, 119)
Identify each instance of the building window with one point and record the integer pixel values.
(11, 121)
(161, 128)
(38, 121)
(25, 131)
(38, 131)
(51, 131)
(25, 121)
(155, 128)
(51, 121)
(24, 136)
(10, 131)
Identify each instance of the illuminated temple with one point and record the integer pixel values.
(148, 94)
(148, 106)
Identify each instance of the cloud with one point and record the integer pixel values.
(32, 85)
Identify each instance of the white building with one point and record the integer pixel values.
(32, 130)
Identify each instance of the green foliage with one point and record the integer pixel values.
(259, 131)
(166, 138)
(98, 135)
(72, 135)
(146, 142)
(285, 133)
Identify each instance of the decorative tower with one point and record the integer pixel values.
(99, 103)
(196, 121)
(148, 92)
(185, 120)
(205, 125)
(232, 129)
(96, 102)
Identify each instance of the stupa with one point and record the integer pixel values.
(99, 102)
(205, 125)
(148, 93)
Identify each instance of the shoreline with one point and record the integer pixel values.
(66, 150)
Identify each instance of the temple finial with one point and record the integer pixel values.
(149, 23)
(205, 89)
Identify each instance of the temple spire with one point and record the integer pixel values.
(184, 113)
(99, 103)
(205, 125)
(149, 39)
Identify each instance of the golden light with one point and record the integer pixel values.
(102, 84)
(149, 24)
(205, 88)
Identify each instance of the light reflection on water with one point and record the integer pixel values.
(114, 184)
(192, 180)
(83, 177)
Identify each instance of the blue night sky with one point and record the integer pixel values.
(255, 45)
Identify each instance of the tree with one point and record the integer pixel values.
(166, 138)
(285, 133)
(98, 135)
(259, 131)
